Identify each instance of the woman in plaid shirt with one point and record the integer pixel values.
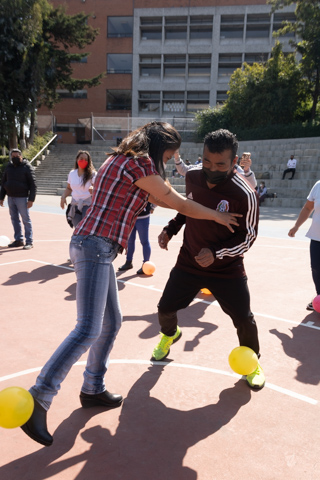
(126, 181)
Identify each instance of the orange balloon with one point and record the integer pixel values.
(206, 291)
(148, 268)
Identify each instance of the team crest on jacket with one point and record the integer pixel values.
(223, 206)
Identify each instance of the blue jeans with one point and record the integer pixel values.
(99, 320)
(79, 216)
(142, 227)
(18, 207)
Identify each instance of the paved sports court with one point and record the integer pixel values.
(189, 417)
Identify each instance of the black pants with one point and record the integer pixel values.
(315, 263)
(288, 170)
(231, 293)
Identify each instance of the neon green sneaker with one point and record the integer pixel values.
(256, 379)
(163, 348)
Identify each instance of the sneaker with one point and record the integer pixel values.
(163, 348)
(126, 266)
(28, 246)
(140, 271)
(256, 379)
(310, 307)
(16, 243)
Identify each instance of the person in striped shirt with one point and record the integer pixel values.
(133, 175)
(211, 256)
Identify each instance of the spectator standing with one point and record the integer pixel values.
(312, 205)
(19, 184)
(80, 187)
(291, 167)
(142, 227)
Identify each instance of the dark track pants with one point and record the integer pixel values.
(231, 293)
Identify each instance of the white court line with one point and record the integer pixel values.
(285, 391)
(151, 287)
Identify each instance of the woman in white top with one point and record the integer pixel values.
(80, 187)
(312, 205)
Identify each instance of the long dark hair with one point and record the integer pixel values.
(151, 140)
(89, 170)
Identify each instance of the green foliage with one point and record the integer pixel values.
(38, 144)
(211, 119)
(307, 29)
(35, 60)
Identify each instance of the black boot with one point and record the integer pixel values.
(104, 399)
(36, 426)
(127, 266)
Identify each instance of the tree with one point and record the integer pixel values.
(35, 59)
(266, 94)
(307, 28)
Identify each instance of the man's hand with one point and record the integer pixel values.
(29, 204)
(163, 240)
(245, 163)
(205, 257)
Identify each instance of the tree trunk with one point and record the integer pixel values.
(315, 96)
(22, 138)
(32, 127)
(12, 136)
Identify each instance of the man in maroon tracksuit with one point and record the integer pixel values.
(211, 255)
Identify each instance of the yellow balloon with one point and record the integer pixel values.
(243, 360)
(16, 407)
(206, 291)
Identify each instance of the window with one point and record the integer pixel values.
(228, 63)
(151, 34)
(283, 17)
(149, 102)
(77, 94)
(176, 33)
(150, 71)
(199, 66)
(200, 33)
(258, 26)
(80, 60)
(197, 101)
(151, 28)
(120, 27)
(173, 102)
(174, 65)
(150, 65)
(119, 63)
(118, 99)
(231, 27)
(251, 58)
(201, 20)
(222, 97)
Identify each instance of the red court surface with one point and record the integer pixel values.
(189, 417)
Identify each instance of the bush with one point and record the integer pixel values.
(38, 143)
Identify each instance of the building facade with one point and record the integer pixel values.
(166, 61)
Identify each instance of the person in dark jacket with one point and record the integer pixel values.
(19, 184)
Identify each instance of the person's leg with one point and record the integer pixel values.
(315, 263)
(98, 358)
(287, 170)
(142, 226)
(261, 199)
(25, 215)
(131, 243)
(180, 290)
(15, 219)
(234, 298)
(293, 171)
(92, 258)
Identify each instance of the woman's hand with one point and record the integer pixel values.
(292, 231)
(227, 219)
(63, 202)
